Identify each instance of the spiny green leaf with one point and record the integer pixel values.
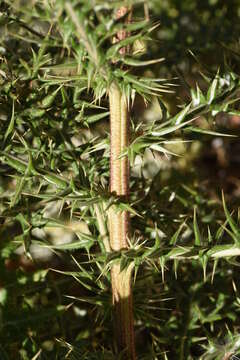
(198, 238)
(170, 129)
(94, 118)
(84, 242)
(212, 90)
(229, 218)
(136, 62)
(11, 124)
(175, 236)
(208, 132)
(178, 119)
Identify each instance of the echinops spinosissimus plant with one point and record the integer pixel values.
(74, 78)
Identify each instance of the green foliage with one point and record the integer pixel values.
(57, 63)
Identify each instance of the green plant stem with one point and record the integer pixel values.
(119, 222)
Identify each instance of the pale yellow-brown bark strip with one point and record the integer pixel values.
(119, 168)
(119, 222)
(119, 182)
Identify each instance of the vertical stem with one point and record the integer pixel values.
(119, 177)
(119, 222)
(119, 183)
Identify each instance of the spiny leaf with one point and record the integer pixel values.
(11, 124)
(170, 129)
(175, 236)
(208, 132)
(198, 238)
(160, 148)
(114, 49)
(136, 62)
(94, 118)
(230, 220)
(85, 242)
(212, 90)
(204, 260)
(178, 119)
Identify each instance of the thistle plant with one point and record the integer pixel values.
(72, 79)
